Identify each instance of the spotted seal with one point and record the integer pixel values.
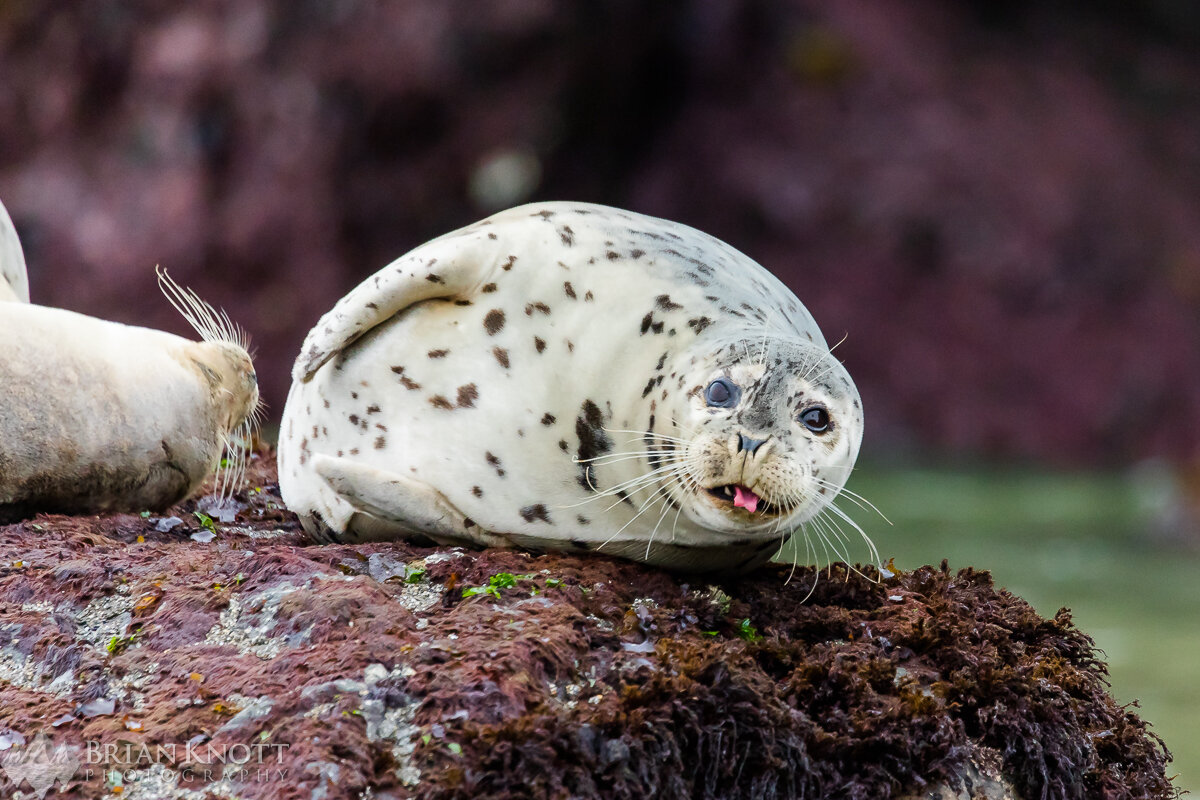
(574, 377)
(97, 416)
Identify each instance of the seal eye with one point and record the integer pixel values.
(816, 419)
(722, 393)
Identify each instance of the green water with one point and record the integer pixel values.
(1057, 540)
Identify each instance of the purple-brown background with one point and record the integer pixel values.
(999, 203)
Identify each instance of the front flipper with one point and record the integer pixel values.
(390, 506)
(454, 265)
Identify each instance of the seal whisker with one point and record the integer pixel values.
(665, 508)
(212, 325)
(838, 543)
(626, 525)
(652, 475)
(832, 526)
(809, 555)
(642, 434)
(853, 497)
(832, 507)
(624, 455)
(630, 486)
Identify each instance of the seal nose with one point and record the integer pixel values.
(748, 444)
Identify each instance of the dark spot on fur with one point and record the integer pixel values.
(372, 306)
(661, 361)
(647, 321)
(664, 302)
(501, 356)
(535, 512)
(488, 288)
(353, 419)
(539, 306)
(548, 419)
(495, 462)
(539, 344)
(372, 409)
(437, 401)
(475, 490)
(438, 353)
(649, 387)
(636, 254)
(411, 385)
(507, 265)
(463, 303)
(562, 445)
(567, 235)
(612, 255)
(432, 278)
(593, 442)
(699, 324)
(589, 296)
(492, 236)
(570, 290)
(467, 395)
(380, 442)
(494, 321)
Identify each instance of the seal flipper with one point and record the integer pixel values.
(452, 265)
(390, 506)
(14, 283)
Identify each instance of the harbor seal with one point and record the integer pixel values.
(574, 377)
(97, 416)
(14, 284)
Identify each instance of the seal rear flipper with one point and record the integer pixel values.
(388, 506)
(14, 284)
(453, 265)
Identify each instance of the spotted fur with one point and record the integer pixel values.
(539, 409)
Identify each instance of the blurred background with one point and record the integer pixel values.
(998, 202)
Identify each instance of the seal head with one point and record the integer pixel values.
(98, 416)
(771, 429)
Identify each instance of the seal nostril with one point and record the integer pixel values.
(748, 444)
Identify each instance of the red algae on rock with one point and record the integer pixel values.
(395, 670)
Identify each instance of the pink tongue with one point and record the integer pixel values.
(744, 498)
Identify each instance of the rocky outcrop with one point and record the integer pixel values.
(181, 655)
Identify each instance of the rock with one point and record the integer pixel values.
(389, 670)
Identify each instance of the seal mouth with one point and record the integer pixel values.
(732, 496)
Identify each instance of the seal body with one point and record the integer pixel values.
(548, 377)
(97, 416)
